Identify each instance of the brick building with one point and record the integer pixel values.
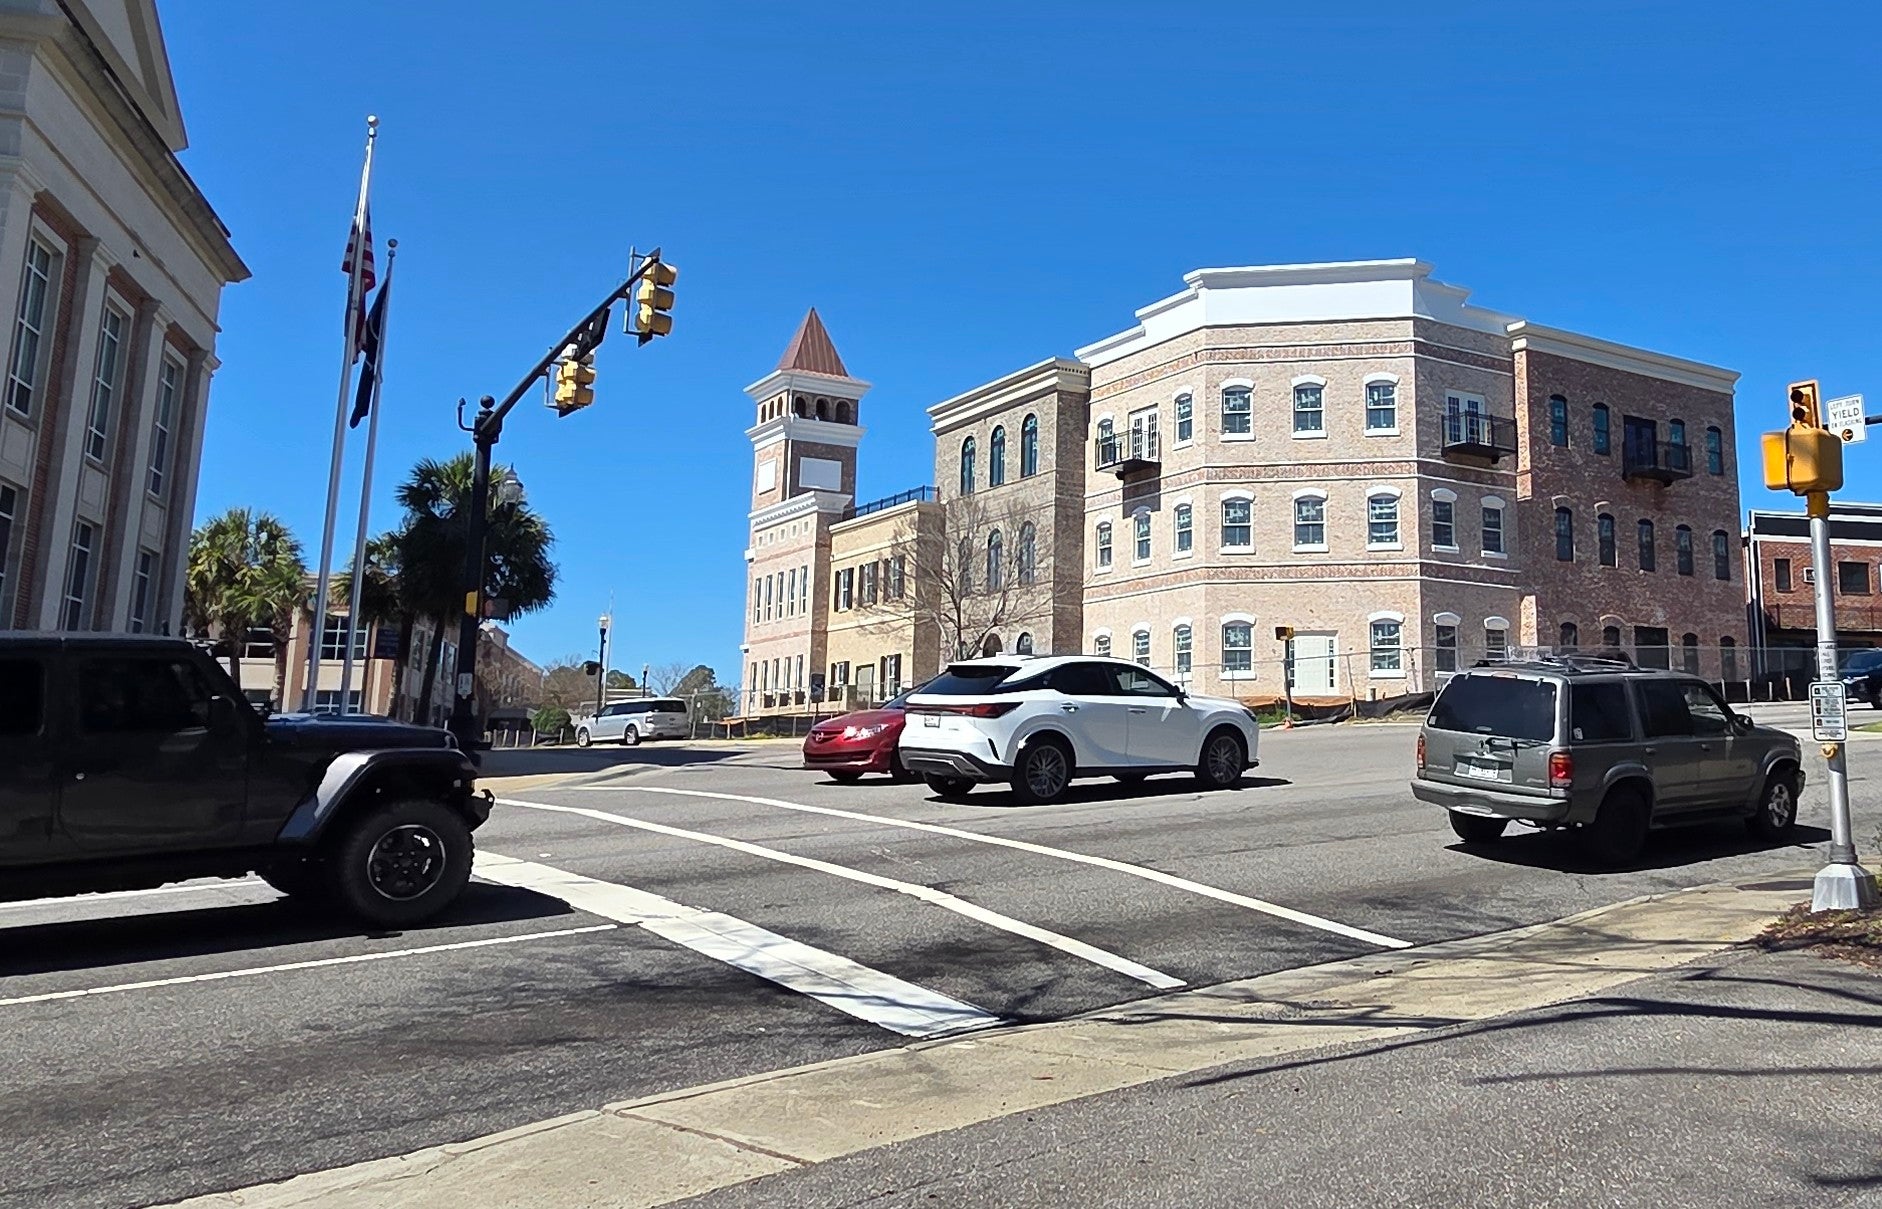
(1781, 585)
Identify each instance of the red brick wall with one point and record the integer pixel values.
(1857, 616)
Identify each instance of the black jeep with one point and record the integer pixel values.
(127, 762)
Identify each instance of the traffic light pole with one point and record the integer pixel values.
(486, 430)
(1842, 884)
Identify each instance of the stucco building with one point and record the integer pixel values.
(113, 264)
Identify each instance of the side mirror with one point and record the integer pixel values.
(1182, 695)
(1741, 725)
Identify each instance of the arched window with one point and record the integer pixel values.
(1682, 549)
(801, 408)
(1604, 537)
(823, 409)
(1382, 520)
(1024, 645)
(1238, 648)
(1238, 411)
(967, 466)
(1721, 554)
(966, 566)
(1101, 645)
(1715, 452)
(1185, 528)
(1104, 544)
(1603, 438)
(1728, 658)
(842, 411)
(996, 457)
(1140, 550)
(1558, 420)
(1310, 409)
(996, 570)
(1238, 524)
(1181, 639)
(1565, 535)
(1611, 637)
(1689, 653)
(1570, 636)
(1029, 447)
(1025, 563)
(1140, 647)
(1647, 562)
(1107, 449)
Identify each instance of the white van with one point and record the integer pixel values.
(632, 721)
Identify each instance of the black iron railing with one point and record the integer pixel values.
(1129, 450)
(1479, 434)
(1662, 461)
(890, 501)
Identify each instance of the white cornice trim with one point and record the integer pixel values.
(812, 431)
(811, 502)
(791, 381)
(1556, 342)
(1053, 375)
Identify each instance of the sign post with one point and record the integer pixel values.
(1842, 884)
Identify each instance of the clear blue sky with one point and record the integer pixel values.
(965, 189)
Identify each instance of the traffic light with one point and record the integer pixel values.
(1805, 458)
(1283, 632)
(1804, 410)
(574, 384)
(653, 298)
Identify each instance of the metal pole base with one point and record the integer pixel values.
(1844, 887)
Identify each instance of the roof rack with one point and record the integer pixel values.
(1570, 661)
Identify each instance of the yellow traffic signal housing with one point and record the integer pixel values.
(1803, 459)
(1804, 404)
(653, 298)
(1283, 632)
(574, 386)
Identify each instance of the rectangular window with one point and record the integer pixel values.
(1185, 529)
(1781, 572)
(898, 576)
(1715, 453)
(1852, 579)
(1558, 420)
(1140, 647)
(1444, 524)
(1564, 535)
(1503, 706)
(1185, 419)
(78, 576)
(1310, 409)
(333, 639)
(1496, 644)
(1238, 412)
(757, 600)
(1382, 520)
(769, 580)
(1310, 521)
(1492, 529)
(803, 589)
(1603, 429)
(327, 701)
(1238, 531)
(1648, 561)
(140, 592)
(869, 583)
(1180, 642)
(1238, 647)
(1388, 654)
(1598, 712)
(1445, 648)
(1682, 550)
(1604, 539)
(1721, 557)
(847, 589)
(29, 327)
(790, 592)
(1104, 544)
(168, 374)
(840, 673)
(1651, 648)
(1381, 407)
(1141, 523)
(9, 508)
(104, 385)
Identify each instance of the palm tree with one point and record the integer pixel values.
(431, 550)
(245, 571)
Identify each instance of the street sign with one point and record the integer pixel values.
(1828, 723)
(1844, 418)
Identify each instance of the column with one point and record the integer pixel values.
(184, 468)
(66, 402)
(130, 457)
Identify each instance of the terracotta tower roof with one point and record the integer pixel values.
(811, 350)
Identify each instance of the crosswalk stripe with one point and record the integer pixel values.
(867, 994)
(928, 894)
(1063, 854)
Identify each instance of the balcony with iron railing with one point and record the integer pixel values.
(1126, 453)
(1476, 435)
(1656, 461)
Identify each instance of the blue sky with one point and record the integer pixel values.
(965, 189)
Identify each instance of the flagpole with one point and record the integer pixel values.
(323, 582)
(365, 491)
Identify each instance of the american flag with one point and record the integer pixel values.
(360, 235)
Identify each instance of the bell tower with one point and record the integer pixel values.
(803, 480)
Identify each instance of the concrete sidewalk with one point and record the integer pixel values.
(1403, 1078)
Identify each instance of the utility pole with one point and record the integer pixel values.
(647, 282)
(1807, 459)
(601, 663)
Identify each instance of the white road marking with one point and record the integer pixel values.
(1140, 871)
(79, 900)
(881, 999)
(927, 894)
(250, 972)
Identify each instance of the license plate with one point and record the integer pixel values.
(1480, 772)
(931, 719)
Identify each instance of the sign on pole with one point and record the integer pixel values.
(1828, 722)
(1844, 417)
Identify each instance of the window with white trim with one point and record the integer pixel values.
(104, 384)
(1310, 417)
(790, 592)
(1238, 529)
(1388, 649)
(1496, 643)
(1443, 524)
(327, 701)
(1104, 543)
(1238, 411)
(1381, 406)
(140, 591)
(1444, 648)
(1101, 645)
(1310, 522)
(1382, 520)
(1180, 639)
(29, 326)
(1141, 526)
(1185, 528)
(78, 576)
(1493, 529)
(1238, 648)
(333, 639)
(1140, 647)
(1185, 418)
(803, 585)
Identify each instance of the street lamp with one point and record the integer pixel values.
(601, 671)
(510, 491)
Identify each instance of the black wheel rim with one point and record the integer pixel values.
(1224, 760)
(406, 862)
(1046, 772)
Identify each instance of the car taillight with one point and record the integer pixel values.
(1561, 770)
(1421, 753)
(983, 709)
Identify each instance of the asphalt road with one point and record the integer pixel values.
(225, 1038)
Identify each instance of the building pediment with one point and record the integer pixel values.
(128, 37)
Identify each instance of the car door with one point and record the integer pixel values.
(1726, 766)
(155, 761)
(1092, 712)
(1164, 730)
(609, 722)
(28, 745)
(1669, 748)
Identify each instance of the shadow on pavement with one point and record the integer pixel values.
(1087, 792)
(1668, 849)
(601, 759)
(199, 931)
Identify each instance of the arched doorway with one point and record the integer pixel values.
(1024, 645)
(991, 646)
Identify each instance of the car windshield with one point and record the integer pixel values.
(1862, 661)
(1497, 704)
(968, 679)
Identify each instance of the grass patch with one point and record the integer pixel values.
(1874, 728)
(1851, 935)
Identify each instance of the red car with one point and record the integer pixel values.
(846, 747)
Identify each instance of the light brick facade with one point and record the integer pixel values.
(878, 640)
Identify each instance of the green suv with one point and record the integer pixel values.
(1601, 746)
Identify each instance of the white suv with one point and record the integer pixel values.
(1038, 723)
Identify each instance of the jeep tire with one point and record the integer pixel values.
(401, 862)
